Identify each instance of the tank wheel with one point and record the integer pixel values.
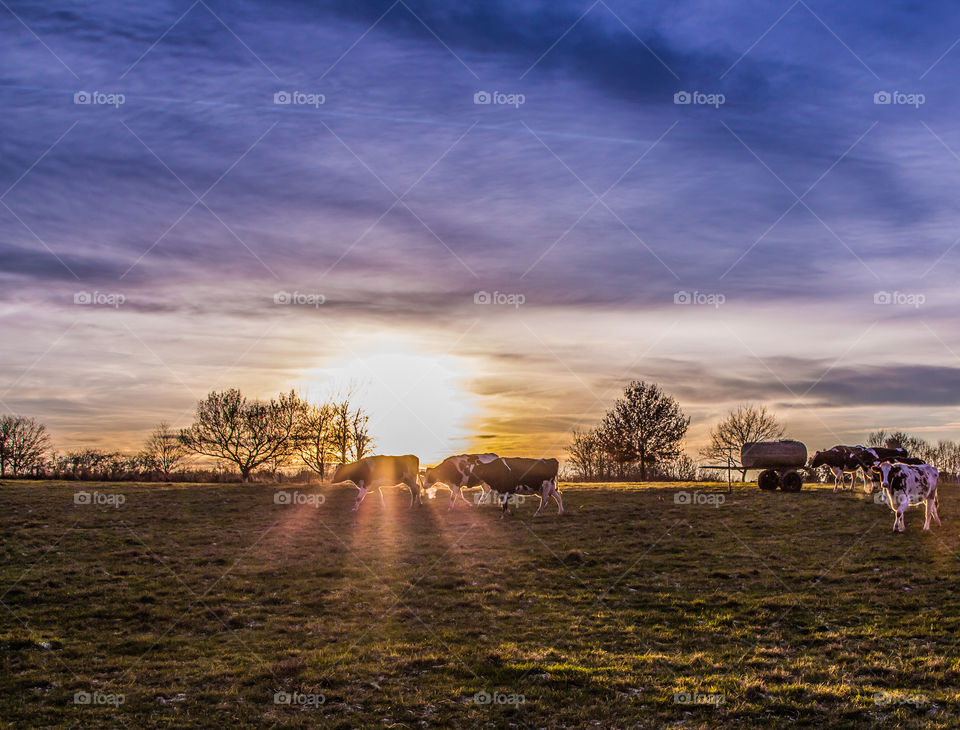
(791, 481)
(768, 480)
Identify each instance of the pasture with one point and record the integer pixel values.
(199, 603)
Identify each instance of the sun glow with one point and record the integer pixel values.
(416, 401)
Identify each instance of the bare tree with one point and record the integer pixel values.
(586, 454)
(745, 423)
(361, 440)
(340, 431)
(314, 436)
(645, 426)
(245, 432)
(163, 450)
(23, 442)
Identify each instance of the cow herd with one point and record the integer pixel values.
(902, 479)
(500, 477)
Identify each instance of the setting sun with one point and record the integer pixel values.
(416, 400)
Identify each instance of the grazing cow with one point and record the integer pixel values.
(906, 484)
(508, 476)
(456, 472)
(380, 472)
(884, 454)
(842, 460)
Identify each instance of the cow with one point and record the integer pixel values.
(380, 472)
(509, 476)
(884, 454)
(456, 473)
(873, 457)
(841, 460)
(906, 484)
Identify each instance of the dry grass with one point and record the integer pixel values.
(198, 603)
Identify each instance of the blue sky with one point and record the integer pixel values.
(788, 211)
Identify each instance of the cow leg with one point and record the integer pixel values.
(380, 492)
(837, 476)
(927, 513)
(414, 492)
(901, 511)
(462, 496)
(503, 505)
(557, 496)
(936, 511)
(360, 495)
(547, 489)
(485, 496)
(454, 492)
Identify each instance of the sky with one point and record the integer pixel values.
(485, 217)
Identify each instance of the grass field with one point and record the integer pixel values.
(199, 603)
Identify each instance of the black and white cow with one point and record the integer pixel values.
(456, 472)
(906, 484)
(509, 476)
(380, 472)
(842, 460)
(873, 457)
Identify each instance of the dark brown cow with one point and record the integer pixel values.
(380, 472)
(509, 476)
(456, 473)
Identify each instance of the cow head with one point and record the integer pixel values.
(883, 471)
(818, 459)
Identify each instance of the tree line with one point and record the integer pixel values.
(640, 438)
(239, 433)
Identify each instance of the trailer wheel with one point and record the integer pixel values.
(768, 480)
(791, 481)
